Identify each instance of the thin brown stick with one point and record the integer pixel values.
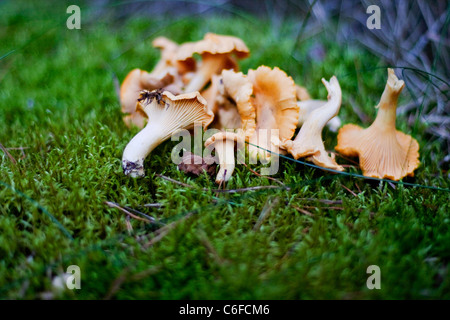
(222, 190)
(260, 175)
(8, 154)
(331, 208)
(345, 158)
(174, 181)
(117, 283)
(115, 205)
(265, 213)
(162, 232)
(353, 193)
(210, 248)
(305, 212)
(326, 201)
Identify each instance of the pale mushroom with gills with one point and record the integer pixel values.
(308, 142)
(216, 53)
(274, 98)
(166, 115)
(223, 143)
(383, 151)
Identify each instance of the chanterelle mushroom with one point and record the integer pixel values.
(383, 151)
(308, 143)
(223, 143)
(166, 115)
(276, 110)
(216, 52)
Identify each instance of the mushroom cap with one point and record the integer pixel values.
(391, 155)
(383, 151)
(181, 111)
(224, 135)
(214, 44)
(275, 102)
(239, 88)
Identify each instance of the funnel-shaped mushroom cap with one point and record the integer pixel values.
(166, 115)
(134, 82)
(276, 109)
(239, 88)
(223, 143)
(383, 151)
(308, 143)
(217, 53)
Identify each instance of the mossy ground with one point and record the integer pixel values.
(58, 101)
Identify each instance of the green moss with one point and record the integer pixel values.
(58, 101)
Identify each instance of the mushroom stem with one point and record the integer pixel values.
(211, 64)
(225, 153)
(140, 146)
(308, 106)
(388, 103)
(308, 142)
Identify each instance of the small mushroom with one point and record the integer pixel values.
(383, 151)
(274, 98)
(223, 143)
(216, 52)
(166, 115)
(308, 143)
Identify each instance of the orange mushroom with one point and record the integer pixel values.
(274, 98)
(383, 151)
(308, 143)
(216, 52)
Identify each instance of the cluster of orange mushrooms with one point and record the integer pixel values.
(264, 108)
